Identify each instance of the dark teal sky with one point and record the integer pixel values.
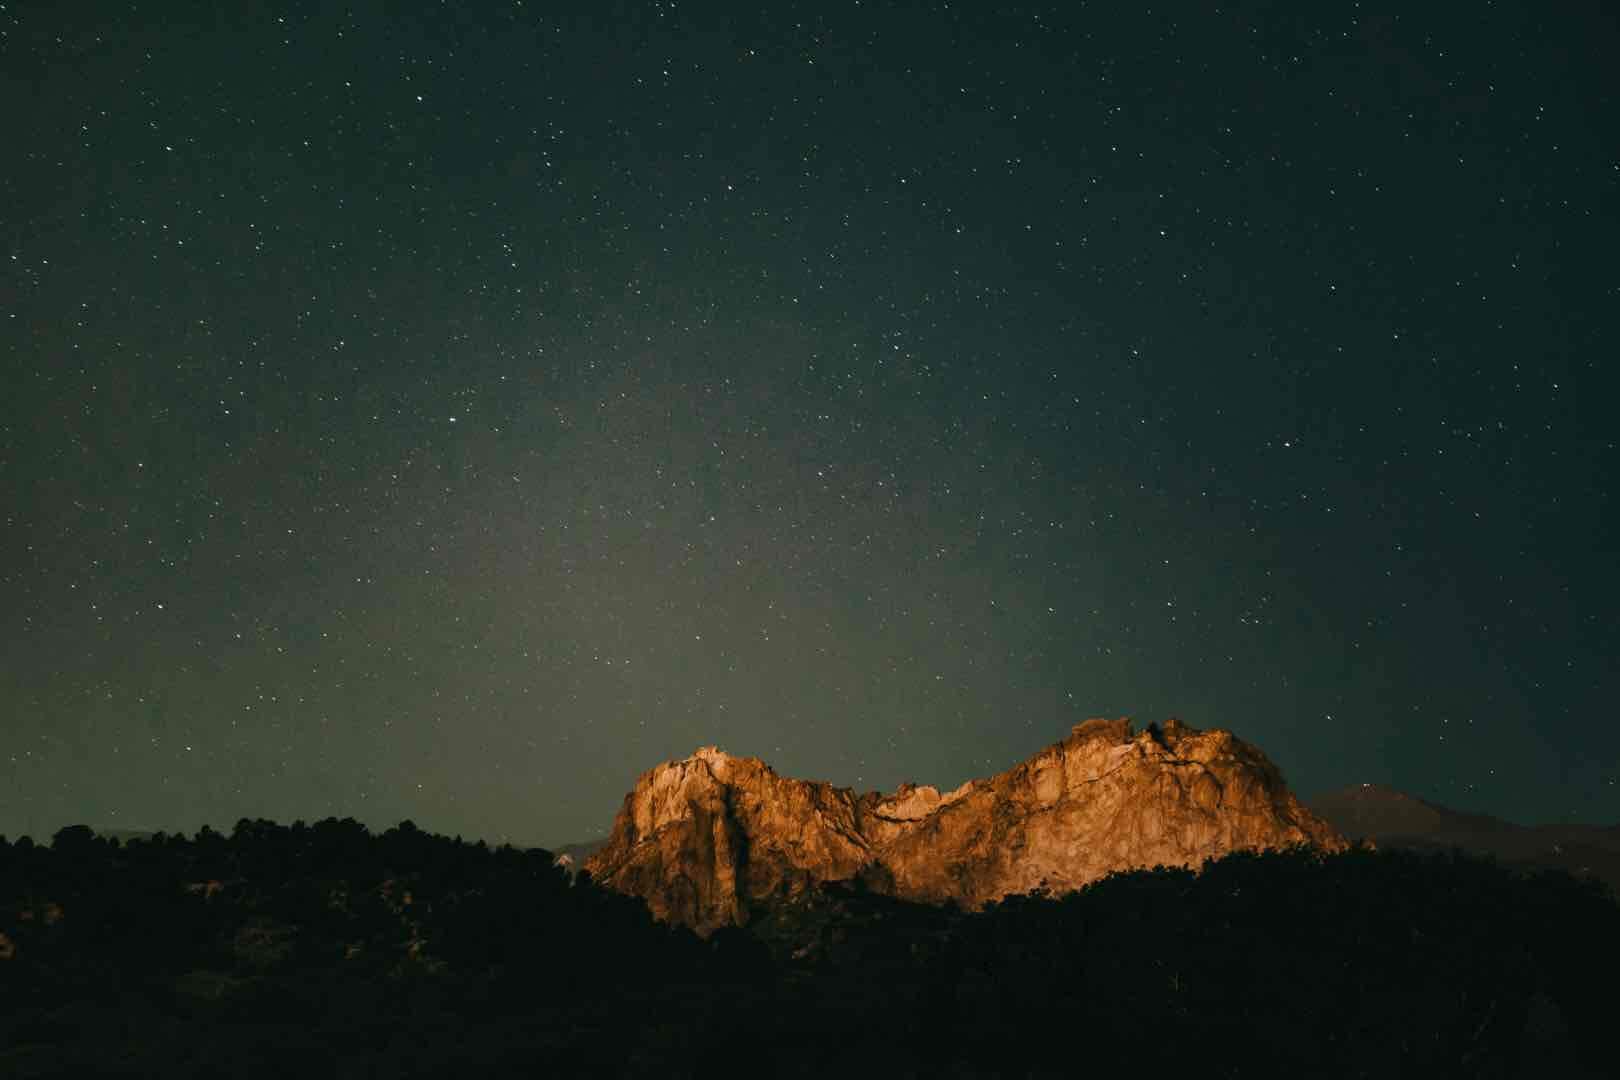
(449, 412)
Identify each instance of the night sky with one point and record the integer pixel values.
(448, 412)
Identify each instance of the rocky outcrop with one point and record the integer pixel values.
(704, 839)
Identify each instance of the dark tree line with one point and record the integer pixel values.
(324, 947)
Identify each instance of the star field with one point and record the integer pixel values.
(447, 413)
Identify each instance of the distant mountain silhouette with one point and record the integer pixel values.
(571, 857)
(581, 851)
(1394, 819)
(123, 836)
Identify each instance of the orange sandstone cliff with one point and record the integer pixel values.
(704, 839)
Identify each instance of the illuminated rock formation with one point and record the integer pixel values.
(704, 839)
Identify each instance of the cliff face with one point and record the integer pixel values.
(704, 838)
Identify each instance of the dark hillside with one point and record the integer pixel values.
(328, 950)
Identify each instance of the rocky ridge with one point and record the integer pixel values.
(705, 839)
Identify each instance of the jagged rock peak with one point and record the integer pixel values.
(705, 838)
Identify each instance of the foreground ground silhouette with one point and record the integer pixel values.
(330, 951)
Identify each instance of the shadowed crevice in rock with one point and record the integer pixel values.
(705, 838)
